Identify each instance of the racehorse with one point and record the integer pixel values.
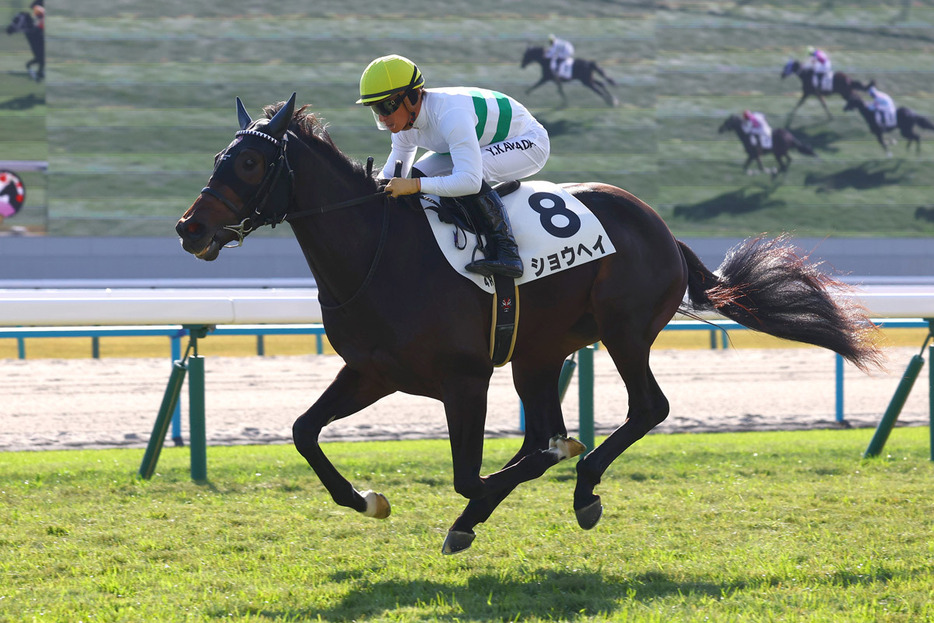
(23, 22)
(905, 120)
(582, 70)
(783, 141)
(843, 86)
(403, 320)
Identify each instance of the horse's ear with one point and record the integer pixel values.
(280, 121)
(243, 117)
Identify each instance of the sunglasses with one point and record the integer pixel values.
(388, 106)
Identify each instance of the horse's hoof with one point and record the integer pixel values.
(588, 516)
(566, 447)
(376, 505)
(457, 541)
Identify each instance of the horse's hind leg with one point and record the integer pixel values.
(538, 389)
(600, 89)
(350, 392)
(648, 407)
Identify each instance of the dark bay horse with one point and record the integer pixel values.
(404, 321)
(905, 120)
(783, 141)
(843, 86)
(582, 69)
(23, 22)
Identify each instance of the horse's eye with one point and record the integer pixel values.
(250, 166)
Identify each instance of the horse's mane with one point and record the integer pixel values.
(308, 127)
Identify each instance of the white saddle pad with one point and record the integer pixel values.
(565, 69)
(553, 229)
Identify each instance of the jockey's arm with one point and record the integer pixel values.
(467, 174)
(402, 150)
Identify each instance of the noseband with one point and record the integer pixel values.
(278, 170)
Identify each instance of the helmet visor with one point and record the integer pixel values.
(379, 122)
(388, 106)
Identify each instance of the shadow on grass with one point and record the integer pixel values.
(742, 201)
(552, 595)
(925, 213)
(561, 126)
(22, 103)
(821, 140)
(863, 177)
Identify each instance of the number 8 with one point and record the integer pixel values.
(539, 202)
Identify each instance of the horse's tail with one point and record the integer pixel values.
(600, 71)
(924, 122)
(764, 285)
(801, 146)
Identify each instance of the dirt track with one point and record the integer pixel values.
(86, 403)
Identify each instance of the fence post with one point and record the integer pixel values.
(196, 425)
(169, 400)
(839, 390)
(901, 394)
(931, 399)
(175, 345)
(585, 396)
(895, 407)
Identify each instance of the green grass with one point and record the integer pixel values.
(725, 527)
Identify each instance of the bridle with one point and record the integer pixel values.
(279, 170)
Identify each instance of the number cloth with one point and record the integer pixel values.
(553, 229)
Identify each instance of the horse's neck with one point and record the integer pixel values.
(339, 245)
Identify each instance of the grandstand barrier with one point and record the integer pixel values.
(96, 313)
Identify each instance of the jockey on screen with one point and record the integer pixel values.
(883, 107)
(561, 54)
(819, 61)
(757, 129)
(475, 137)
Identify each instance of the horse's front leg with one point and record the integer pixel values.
(794, 110)
(543, 80)
(880, 137)
(545, 444)
(823, 103)
(564, 98)
(350, 392)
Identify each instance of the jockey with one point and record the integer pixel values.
(883, 107)
(819, 61)
(38, 11)
(559, 51)
(475, 137)
(757, 129)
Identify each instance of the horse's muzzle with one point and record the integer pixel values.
(196, 239)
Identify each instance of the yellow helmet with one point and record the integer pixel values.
(388, 75)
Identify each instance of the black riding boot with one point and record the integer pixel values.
(502, 253)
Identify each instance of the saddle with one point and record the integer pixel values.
(452, 211)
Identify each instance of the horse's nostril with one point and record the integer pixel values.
(189, 229)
